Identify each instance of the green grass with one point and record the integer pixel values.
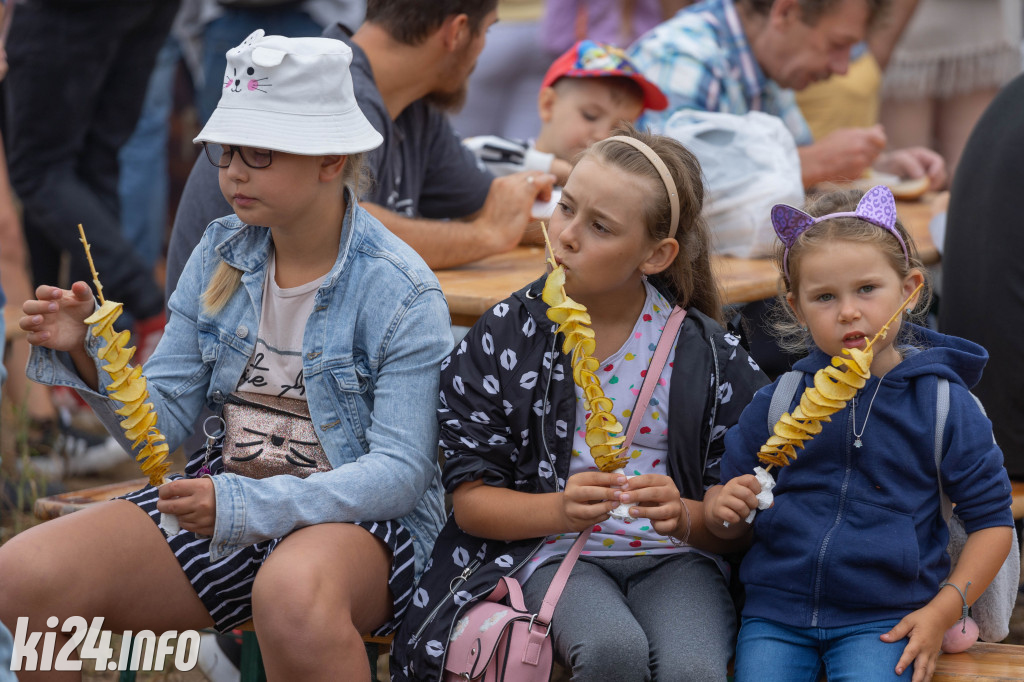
(18, 480)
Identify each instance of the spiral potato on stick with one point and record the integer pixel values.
(834, 386)
(603, 430)
(128, 386)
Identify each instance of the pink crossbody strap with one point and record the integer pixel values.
(668, 337)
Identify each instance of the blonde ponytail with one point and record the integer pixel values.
(222, 286)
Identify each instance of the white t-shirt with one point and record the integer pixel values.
(275, 367)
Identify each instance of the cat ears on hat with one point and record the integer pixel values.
(877, 207)
(261, 56)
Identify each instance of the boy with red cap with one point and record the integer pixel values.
(586, 92)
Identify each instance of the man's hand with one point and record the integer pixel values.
(914, 162)
(506, 212)
(842, 155)
(561, 170)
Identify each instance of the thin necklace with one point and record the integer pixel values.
(858, 443)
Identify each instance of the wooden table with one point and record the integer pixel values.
(472, 289)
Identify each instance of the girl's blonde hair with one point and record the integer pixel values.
(793, 337)
(226, 278)
(688, 279)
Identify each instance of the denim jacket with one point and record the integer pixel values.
(371, 352)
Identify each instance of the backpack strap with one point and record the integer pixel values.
(782, 397)
(941, 412)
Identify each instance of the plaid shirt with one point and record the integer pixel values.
(701, 60)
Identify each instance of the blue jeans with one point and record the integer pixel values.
(770, 650)
(144, 180)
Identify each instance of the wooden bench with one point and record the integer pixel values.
(1017, 504)
(983, 662)
(251, 666)
(51, 507)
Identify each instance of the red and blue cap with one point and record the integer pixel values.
(591, 59)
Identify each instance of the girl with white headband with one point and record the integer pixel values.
(319, 333)
(649, 596)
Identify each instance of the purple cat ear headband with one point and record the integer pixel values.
(877, 206)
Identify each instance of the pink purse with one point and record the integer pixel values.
(498, 639)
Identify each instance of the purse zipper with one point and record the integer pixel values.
(714, 402)
(458, 580)
(455, 584)
(235, 400)
(475, 598)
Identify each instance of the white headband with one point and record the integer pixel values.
(666, 177)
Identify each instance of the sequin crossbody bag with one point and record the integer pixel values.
(265, 435)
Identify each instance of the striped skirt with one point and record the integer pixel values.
(225, 585)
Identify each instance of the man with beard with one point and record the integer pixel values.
(411, 62)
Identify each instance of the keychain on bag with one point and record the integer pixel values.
(211, 439)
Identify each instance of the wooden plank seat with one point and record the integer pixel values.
(983, 662)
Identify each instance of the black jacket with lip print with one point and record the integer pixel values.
(508, 410)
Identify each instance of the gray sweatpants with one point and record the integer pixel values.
(640, 618)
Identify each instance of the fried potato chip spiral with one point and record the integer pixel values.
(833, 387)
(128, 386)
(603, 430)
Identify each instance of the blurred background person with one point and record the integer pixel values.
(945, 69)
(78, 74)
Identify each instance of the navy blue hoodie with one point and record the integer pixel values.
(855, 534)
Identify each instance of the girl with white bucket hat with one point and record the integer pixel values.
(301, 295)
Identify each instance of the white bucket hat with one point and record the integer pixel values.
(291, 95)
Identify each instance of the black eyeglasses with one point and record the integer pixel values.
(220, 155)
